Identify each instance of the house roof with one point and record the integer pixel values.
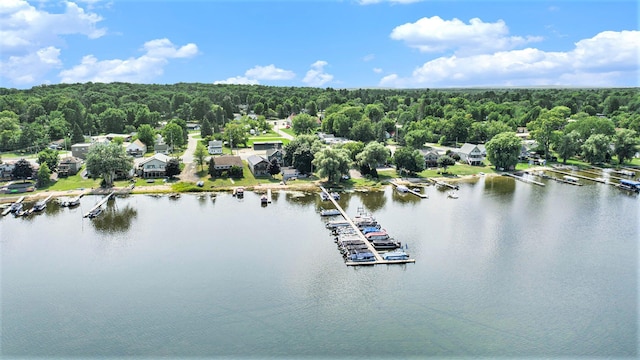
(228, 160)
(273, 151)
(70, 159)
(158, 156)
(139, 143)
(215, 143)
(255, 159)
(468, 148)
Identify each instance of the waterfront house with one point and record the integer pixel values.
(69, 166)
(153, 167)
(225, 162)
(289, 172)
(472, 154)
(136, 148)
(215, 147)
(258, 165)
(6, 168)
(431, 157)
(275, 154)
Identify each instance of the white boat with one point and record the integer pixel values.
(335, 196)
(570, 179)
(452, 195)
(336, 224)
(329, 212)
(395, 255)
(402, 189)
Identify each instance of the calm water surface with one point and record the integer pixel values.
(508, 269)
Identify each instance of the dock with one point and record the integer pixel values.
(524, 179)
(376, 254)
(9, 208)
(99, 204)
(269, 196)
(445, 184)
(411, 191)
(602, 181)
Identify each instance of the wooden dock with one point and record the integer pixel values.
(523, 179)
(376, 254)
(8, 209)
(411, 191)
(269, 196)
(445, 184)
(100, 203)
(602, 181)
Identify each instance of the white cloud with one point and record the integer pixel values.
(377, 70)
(239, 80)
(607, 59)
(437, 35)
(26, 29)
(316, 75)
(31, 67)
(141, 69)
(269, 72)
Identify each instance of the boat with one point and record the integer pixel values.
(174, 196)
(380, 235)
(264, 200)
(402, 189)
(94, 213)
(324, 196)
(570, 179)
(71, 203)
(370, 229)
(39, 206)
(629, 185)
(238, 192)
(16, 206)
(329, 212)
(452, 195)
(395, 255)
(335, 196)
(361, 256)
(336, 224)
(386, 244)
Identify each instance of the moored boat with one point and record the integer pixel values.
(329, 212)
(336, 224)
(395, 255)
(452, 195)
(629, 185)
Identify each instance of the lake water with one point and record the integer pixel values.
(506, 270)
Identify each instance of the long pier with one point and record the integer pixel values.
(376, 254)
(411, 191)
(602, 181)
(523, 179)
(99, 204)
(442, 183)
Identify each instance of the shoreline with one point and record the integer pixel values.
(259, 188)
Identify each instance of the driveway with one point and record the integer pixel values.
(190, 167)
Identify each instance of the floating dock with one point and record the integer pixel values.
(99, 204)
(411, 191)
(523, 179)
(376, 254)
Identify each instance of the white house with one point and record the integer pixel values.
(136, 148)
(153, 167)
(215, 147)
(472, 154)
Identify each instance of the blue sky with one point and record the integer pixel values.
(330, 43)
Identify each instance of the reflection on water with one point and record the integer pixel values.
(113, 219)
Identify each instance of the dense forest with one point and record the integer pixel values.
(31, 119)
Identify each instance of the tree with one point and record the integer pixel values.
(212, 168)
(236, 133)
(274, 167)
(362, 131)
(596, 149)
(332, 163)
(375, 112)
(416, 138)
(77, 136)
(200, 154)
(44, 175)
(106, 160)
(544, 128)
(503, 150)
(304, 124)
(172, 168)
(445, 161)
(624, 144)
(49, 157)
(22, 170)
(172, 134)
(568, 145)
(206, 129)
(146, 135)
(113, 120)
(373, 154)
(302, 159)
(409, 160)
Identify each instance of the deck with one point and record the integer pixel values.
(376, 254)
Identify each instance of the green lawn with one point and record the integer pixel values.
(288, 131)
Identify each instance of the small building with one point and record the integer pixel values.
(258, 165)
(153, 167)
(57, 145)
(472, 154)
(136, 148)
(431, 157)
(215, 147)
(164, 149)
(193, 126)
(289, 172)
(225, 162)
(80, 150)
(69, 166)
(275, 154)
(265, 145)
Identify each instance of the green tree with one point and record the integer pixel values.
(49, 157)
(44, 175)
(332, 163)
(200, 154)
(304, 124)
(445, 161)
(173, 135)
(172, 168)
(302, 158)
(373, 154)
(375, 112)
(274, 167)
(416, 138)
(596, 148)
(113, 120)
(544, 128)
(503, 150)
(212, 168)
(312, 108)
(624, 144)
(77, 136)
(409, 160)
(206, 129)
(106, 160)
(22, 170)
(9, 133)
(362, 131)
(236, 133)
(568, 145)
(147, 135)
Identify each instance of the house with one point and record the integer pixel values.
(125, 137)
(472, 154)
(57, 145)
(136, 148)
(161, 147)
(431, 157)
(6, 168)
(225, 162)
(289, 172)
(275, 154)
(153, 167)
(69, 166)
(258, 165)
(80, 150)
(193, 126)
(265, 145)
(215, 147)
